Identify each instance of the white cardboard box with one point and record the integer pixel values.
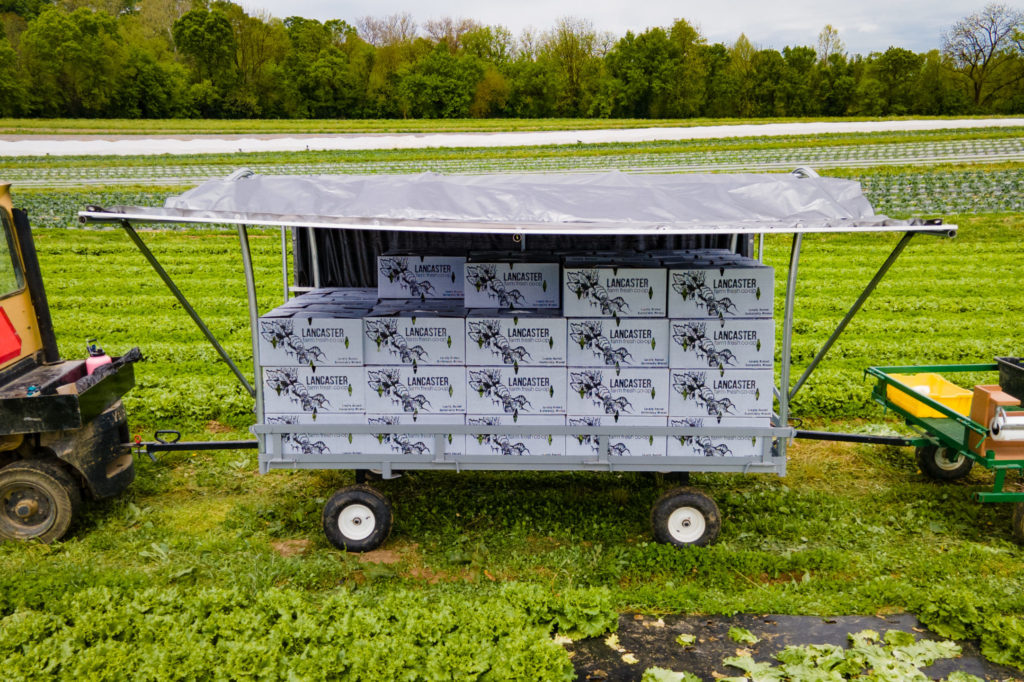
(639, 392)
(506, 390)
(420, 277)
(720, 394)
(424, 389)
(614, 292)
(715, 446)
(311, 340)
(324, 390)
(731, 343)
(311, 442)
(618, 342)
(409, 339)
(512, 285)
(721, 292)
(511, 444)
(524, 339)
(618, 446)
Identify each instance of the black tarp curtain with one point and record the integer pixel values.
(348, 258)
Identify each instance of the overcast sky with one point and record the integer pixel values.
(864, 25)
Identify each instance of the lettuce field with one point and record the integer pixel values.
(206, 570)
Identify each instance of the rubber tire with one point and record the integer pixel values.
(51, 482)
(928, 461)
(378, 505)
(679, 498)
(1018, 522)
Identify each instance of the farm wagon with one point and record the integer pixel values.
(337, 225)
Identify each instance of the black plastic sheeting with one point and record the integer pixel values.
(348, 258)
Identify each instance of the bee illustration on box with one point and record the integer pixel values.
(693, 284)
(399, 442)
(387, 382)
(588, 384)
(588, 334)
(281, 334)
(702, 445)
(498, 442)
(616, 449)
(487, 383)
(487, 334)
(693, 335)
(301, 440)
(285, 381)
(485, 278)
(385, 334)
(586, 285)
(397, 270)
(692, 385)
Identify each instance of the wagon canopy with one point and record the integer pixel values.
(568, 203)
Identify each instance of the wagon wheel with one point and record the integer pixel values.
(357, 518)
(38, 501)
(1018, 522)
(942, 463)
(686, 516)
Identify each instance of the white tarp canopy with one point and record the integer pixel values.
(610, 202)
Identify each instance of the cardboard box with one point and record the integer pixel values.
(638, 392)
(417, 443)
(618, 446)
(311, 442)
(618, 342)
(614, 292)
(506, 390)
(512, 285)
(730, 343)
(720, 394)
(715, 446)
(721, 292)
(414, 339)
(415, 390)
(323, 390)
(521, 338)
(420, 276)
(311, 340)
(546, 445)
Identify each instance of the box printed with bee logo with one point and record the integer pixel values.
(618, 392)
(716, 446)
(309, 442)
(521, 339)
(523, 391)
(614, 291)
(505, 445)
(323, 390)
(618, 342)
(311, 340)
(416, 444)
(420, 276)
(729, 344)
(720, 292)
(512, 285)
(618, 446)
(721, 394)
(421, 390)
(415, 339)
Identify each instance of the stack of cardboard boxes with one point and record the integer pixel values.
(673, 338)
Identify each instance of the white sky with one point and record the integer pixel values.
(864, 25)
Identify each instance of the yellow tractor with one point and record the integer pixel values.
(63, 430)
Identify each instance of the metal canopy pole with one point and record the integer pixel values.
(854, 309)
(134, 236)
(284, 261)
(250, 291)
(787, 337)
(314, 257)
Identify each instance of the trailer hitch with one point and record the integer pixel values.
(169, 440)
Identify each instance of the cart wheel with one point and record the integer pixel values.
(935, 462)
(686, 516)
(38, 501)
(1018, 522)
(357, 519)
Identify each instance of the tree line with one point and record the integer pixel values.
(209, 58)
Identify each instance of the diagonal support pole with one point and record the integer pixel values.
(134, 236)
(841, 327)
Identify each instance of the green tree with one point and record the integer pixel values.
(441, 85)
(897, 71)
(207, 41)
(985, 49)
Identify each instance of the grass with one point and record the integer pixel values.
(66, 126)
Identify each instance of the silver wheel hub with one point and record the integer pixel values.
(356, 522)
(686, 525)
